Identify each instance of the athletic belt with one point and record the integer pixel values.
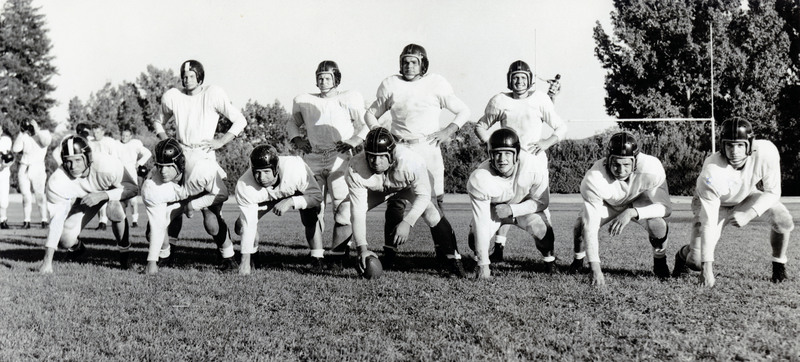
(407, 141)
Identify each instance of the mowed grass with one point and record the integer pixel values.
(90, 310)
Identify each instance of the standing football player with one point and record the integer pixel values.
(109, 147)
(76, 191)
(6, 160)
(32, 142)
(511, 188)
(134, 155)
(278, 184)
(727, 192)
(327, 126)
(196, 109)
(176, 188)
(525, 111)
(415, 99)
(625, 186)
(388, 171)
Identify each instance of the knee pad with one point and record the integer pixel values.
(782, 222)
(115, 212)
(658, 243)
(238, 226)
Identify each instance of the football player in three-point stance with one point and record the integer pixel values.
(511, 188)
(278, 184)
(625, 186)
(726, 193)
(389, 171)
(178, 186)
(415, 99)
(32, 142)
(6, 160)
(77, 190)
(196, 109)
(332, 123)
(134, 155)
(525, 111)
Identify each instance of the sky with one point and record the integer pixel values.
(268, 50)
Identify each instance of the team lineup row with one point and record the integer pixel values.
(402, 166)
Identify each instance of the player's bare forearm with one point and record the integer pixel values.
(370, 119)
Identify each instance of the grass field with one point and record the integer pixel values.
(90, 310)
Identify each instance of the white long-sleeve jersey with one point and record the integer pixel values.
(719, 184)
(408, 171)
(196, 116)
(295, 181)
(416, 106)
(134, 154)
(32, 152)
(526, 192)
(525, 116)
(107, 146)
(328, 120)
(105, 174)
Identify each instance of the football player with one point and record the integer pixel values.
(327, 126)
(727, 193)
(77, 190)
(389, 171)
(134, 155)
(6, 160)
(511, 188)
(196, 109)
(525, 111)
(415, 99)
(112, 148)
(625, 186)
(175, 188)
(32, 142)
(278, 184)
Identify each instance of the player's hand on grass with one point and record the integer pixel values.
(152, 267)
(244, 266)
(401, 232)
(302, 144)
(598, 278)
(621, 221)
(484, 272)
(707, 278)
(94, 198)
(742, 218)
(503, 211)
(283, 206)
(46, 267)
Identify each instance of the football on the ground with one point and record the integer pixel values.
(373, 269)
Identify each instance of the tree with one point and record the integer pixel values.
(77, 112)
(25, 68)
(150, 86)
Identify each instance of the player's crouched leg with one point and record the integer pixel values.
(218, 229)
(656, 227)
(782, 226)
(542, 232)
(115, 212)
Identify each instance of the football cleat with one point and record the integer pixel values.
(576, 266)
(26, 225)
(101, 226)
(317, 265)
(497, 254)
(125, 260)
(135, 224)
(550, 267)
(4, 225)
(778, 272)
(456, 268)
(228, 264)
(660, 268)
(680, 265)
(389, 258)
(76, 251)
(44, 224)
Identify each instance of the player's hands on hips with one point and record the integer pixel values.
(401, 232)
(707, 275)
(440, 136)
(302, 144)
(503, 211)
(742, 218)
(341, 147)
(621, 221)
(213, 144)
(283, 206)
(94, 198)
